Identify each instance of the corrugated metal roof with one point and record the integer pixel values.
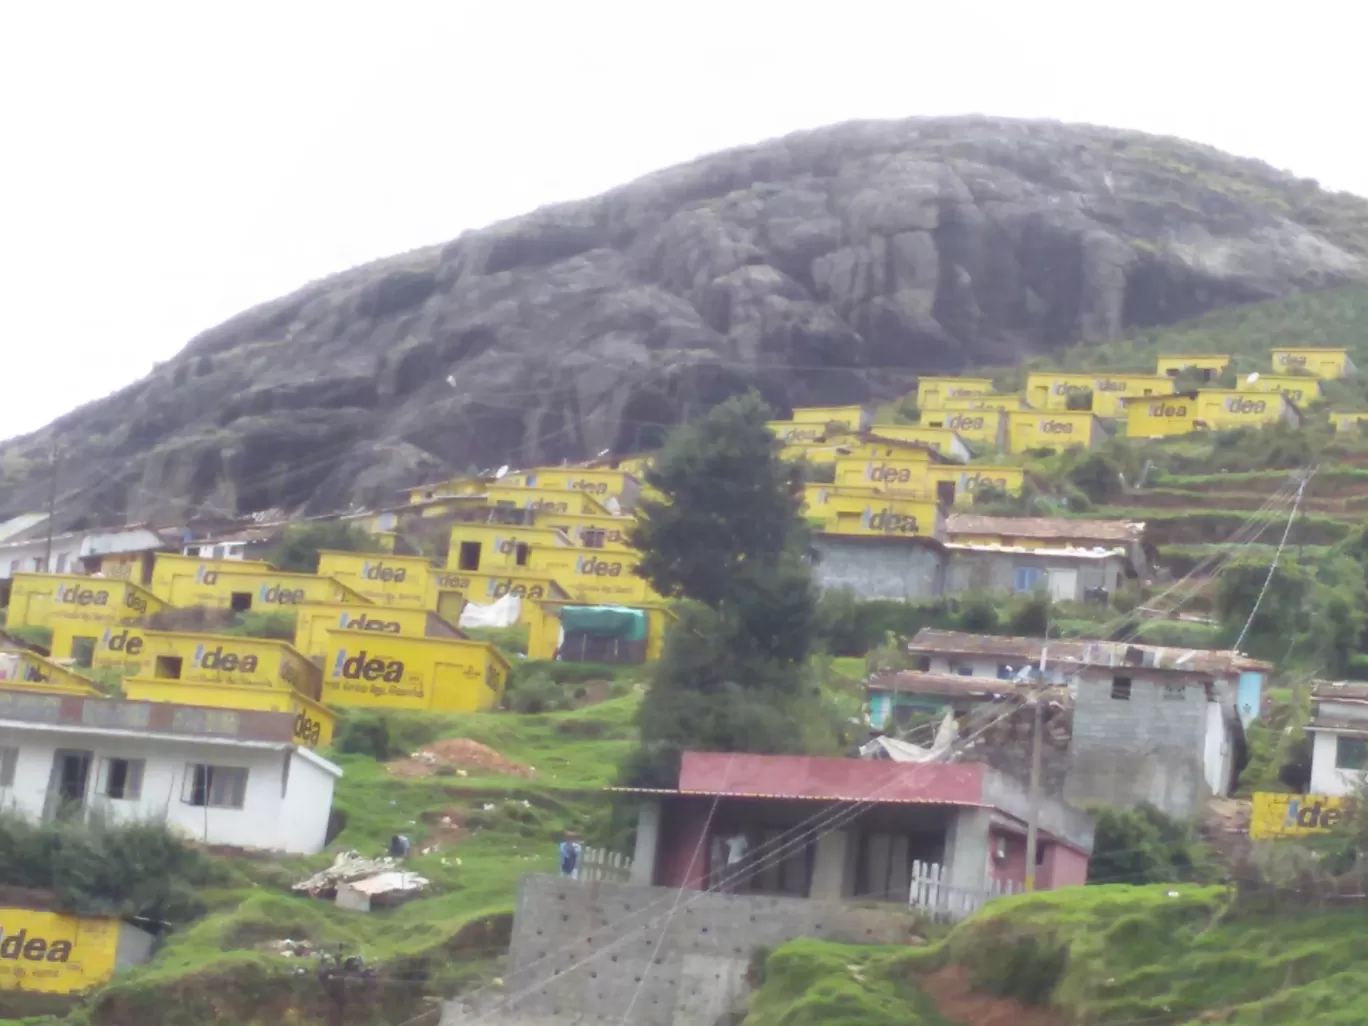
(863, 799)
(931, 641)
(1067, 528)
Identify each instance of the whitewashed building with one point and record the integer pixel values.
(1339, 733)
(217, 776)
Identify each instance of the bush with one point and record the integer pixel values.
(252, 624)
(535, 693)
(383, 735)
(1142, 845)
(39, 636)
(297, 551)
(508, 640)
(96, 868)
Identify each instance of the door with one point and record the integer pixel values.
(1063, 585)
(69, 782)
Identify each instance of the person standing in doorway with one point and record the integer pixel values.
(737, 846)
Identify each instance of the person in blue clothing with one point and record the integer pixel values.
(569, 854)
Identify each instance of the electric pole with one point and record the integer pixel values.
(51, 508)
(1033, 813)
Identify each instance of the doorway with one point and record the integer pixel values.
(69, 781)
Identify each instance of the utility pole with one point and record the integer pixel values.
(52, 507)
(1033, 799)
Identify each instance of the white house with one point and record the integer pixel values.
(218, 776)
(1339, 731)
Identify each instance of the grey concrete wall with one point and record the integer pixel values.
(1063, 821)
(580, 951)
(896, 569)
(979, 571)
(1149, 748)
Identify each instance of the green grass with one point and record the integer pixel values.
(1169, 955)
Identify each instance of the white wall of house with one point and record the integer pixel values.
(285, 802)
(1218, 749)
(1326, 776)
(26, 557)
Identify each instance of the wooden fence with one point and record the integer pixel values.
(601, 864)
(932, 894)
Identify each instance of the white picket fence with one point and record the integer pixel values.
(601, 864)
(932, 894)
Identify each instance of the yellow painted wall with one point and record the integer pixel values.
(904, 472)
(931, 392)
(818, 453)
(1348, 421)
(1299, 388)
(573, 525)
(797, 433)
(54, 953)
(1295, 815)
(209, 658)
(454, 486)
(502, 547)
(385, 580)
(1174, 364)
(601, 483)
(554, 500)
(412, 673)
(593, 575)
(313, 622)
(867, 513)
(855, 418)
(1009, 401)
(314, 723)
(943, 440)
(31, 671)
(1052, 429)
(1050, 390)
(986, 427)
(966, 480)
(1224, 408)
(185, 581)
(1322, 363)
(74, 606)
(544, 635)
(458, 588)
(1161, 417)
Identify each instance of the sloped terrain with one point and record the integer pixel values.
(822, 267)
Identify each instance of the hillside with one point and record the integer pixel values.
(826, 266)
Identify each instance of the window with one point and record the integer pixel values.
(1175, 692)
(594, 538)
(241, 601)
(470, 556)
(531, 480)
(121, 779)
(964, 671)
(167, 668)
(520, 552)
(83, 651)
(1351, 753)
(1121, 687)
(1027, 578)
(1210, 688)
(8, 758)
(219, 787)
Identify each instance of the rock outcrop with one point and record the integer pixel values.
(828, 266)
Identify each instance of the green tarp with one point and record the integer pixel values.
(604, 622)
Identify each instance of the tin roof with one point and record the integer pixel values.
(930, 641)
(949, 684)
(1340, 690)
(1065, 528)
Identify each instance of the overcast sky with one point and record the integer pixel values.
(165, 165)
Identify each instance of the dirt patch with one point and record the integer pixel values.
(456, 756)
(589, 692)
(957, 1001)
(446, 828)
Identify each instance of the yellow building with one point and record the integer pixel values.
(385, 580)
(194, 658)
(54, 953)
(852, 418)
(591, 576)
(819, 453)
(605, 532)
(1348, 421)
(932, 392)
(456, 588)
(314, 724)
(1320, 363)
(1003, 403)
(869, 512)
(455, 486)
(956, 485)
(602, 483)
(1297, 387)
(1207, 365)
(77, 609)
(549, 637)
(944, 440)
(903, 471)
(1051, 390)
(313, 622)
(400, 672)
(1161, 417)
(798, 433)
(986, 427)
(475, 547)
(240, 585)
(539, 499)
(1052, 429)
(1226, 408)
(23, 670)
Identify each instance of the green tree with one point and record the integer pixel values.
(297, 551)
(727, 536)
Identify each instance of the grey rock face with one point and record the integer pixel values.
(827, 266)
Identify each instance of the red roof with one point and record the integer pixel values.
(743, 775)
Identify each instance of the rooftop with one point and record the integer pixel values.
(954, 685)
(1066, 528)
(1340, 690)
(931, 641)
(1070, 552)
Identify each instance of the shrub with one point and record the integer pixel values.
(383, 735)
(535, 693)
(252, 624)
(1142, 845)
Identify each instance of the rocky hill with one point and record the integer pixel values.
(827, 266)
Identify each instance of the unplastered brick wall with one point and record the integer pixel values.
(584, 952)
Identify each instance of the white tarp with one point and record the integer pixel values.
(906, 751)
(503, 613)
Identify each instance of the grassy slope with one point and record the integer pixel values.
(211, 972)
(1129, 955)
